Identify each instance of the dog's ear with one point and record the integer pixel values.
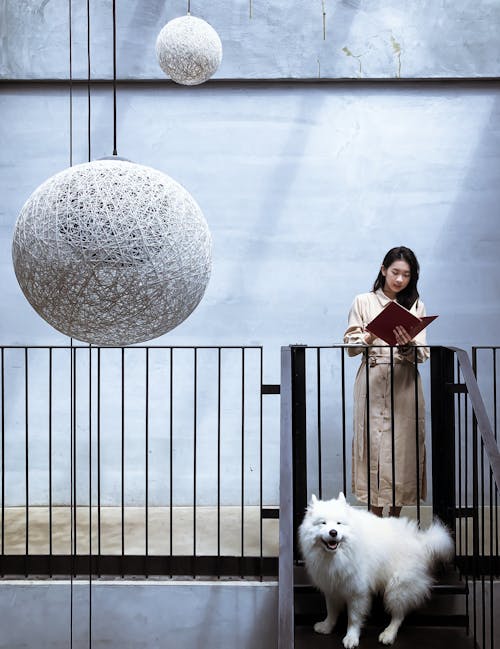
(314, 500)
(342, 497)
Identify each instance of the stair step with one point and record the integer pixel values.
(447, 582)
(408, 638)
(437, 589)
(380, 618)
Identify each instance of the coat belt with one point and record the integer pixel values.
(374, 360)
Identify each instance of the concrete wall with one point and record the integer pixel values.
(132, 615)
(262, 39)
(305, 185)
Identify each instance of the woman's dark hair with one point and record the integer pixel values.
(409, 295)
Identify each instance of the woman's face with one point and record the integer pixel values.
(397, 277)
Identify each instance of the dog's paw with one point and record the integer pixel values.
(351, 639)
(387, 636)
(324, 627)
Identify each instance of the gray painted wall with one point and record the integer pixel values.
(131, 615)
(304, 185)
(282, 39)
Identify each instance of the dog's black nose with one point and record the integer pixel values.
(333, 533)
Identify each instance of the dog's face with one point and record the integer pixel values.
(326, 524)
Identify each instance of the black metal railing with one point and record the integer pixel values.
(317, 413)
(486, 475)
(473, 479)
(141, 460)
(146, 461)
(323, 413)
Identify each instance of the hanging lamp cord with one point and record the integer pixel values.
(88, 83)
(70, 35)
(115, 152)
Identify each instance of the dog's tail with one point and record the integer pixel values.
(438, 543)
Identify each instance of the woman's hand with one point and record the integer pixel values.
(369, 338)
(403, 338)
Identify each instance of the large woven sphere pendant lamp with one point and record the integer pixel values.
(189, 50)
(111, 252)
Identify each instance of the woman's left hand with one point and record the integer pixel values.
(402, 336)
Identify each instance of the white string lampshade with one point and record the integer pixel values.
(189, 50)
(111, 252)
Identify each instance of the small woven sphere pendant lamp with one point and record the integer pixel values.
(112, 253)
(189, 50)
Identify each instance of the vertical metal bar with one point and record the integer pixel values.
(443, 435)
(171, 416)
(368, 453)
(242, 458)
(26, 425)
(261, 468)
(318, 406)
(50, 461)
(299, 437)
(491, 555)
(71, 486)
(475, 520)
(74, 439)
(393, 440)
(417, 431)
(98, 462)
(466, 492)
(146, 460)
(195, 442)
(90, 496)
(459, 476)
(495, 430)
(344, 432)
(122, 460)
(3, 455)
(286, 638)
(483, 553)
(218, 456)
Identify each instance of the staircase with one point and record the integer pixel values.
(466, 493)
(442, 621)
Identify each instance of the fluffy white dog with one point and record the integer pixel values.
(351, 554)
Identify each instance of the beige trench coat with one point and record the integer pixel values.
(407, 450)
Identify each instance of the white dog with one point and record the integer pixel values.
(351, 554)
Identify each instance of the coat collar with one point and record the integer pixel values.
(382, 297)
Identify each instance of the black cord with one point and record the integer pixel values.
(70, 34)
(70, 84)
(189, 7)
(114, 79)
(88, 82)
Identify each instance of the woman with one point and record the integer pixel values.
(400, 435)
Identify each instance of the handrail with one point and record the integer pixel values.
(483, 421)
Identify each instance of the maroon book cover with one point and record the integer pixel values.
(394, 315)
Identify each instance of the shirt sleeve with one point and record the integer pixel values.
(355, 332)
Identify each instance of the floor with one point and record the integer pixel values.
(211, 526)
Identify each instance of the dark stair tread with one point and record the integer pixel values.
(447, 582)
(438, 611)
(407, 638)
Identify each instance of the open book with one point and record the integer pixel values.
(394, 315)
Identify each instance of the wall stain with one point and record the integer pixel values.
(397, 51)
(348, 52)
